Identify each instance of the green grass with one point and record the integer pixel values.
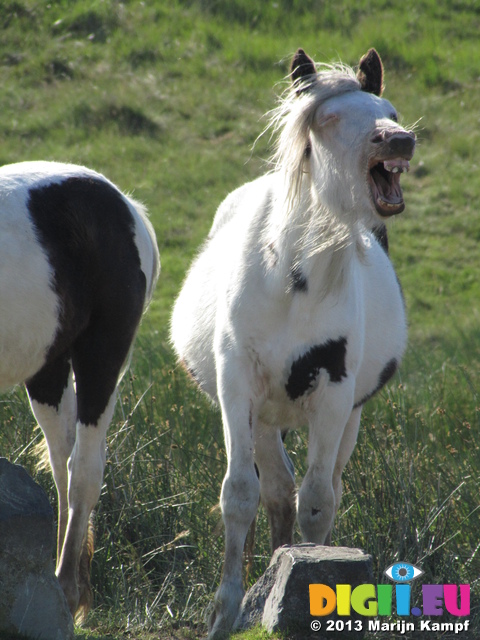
(166, 99)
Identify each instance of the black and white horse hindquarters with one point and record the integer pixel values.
(103, 262)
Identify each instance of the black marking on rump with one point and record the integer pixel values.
(299, 281)
(388, 372)
(304, 371)
(87, 231)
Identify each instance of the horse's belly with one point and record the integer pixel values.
(283, 414)
(385, 334)
(193, 325)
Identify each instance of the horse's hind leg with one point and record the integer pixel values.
(277, 484)
(97, 357)
(53, 402)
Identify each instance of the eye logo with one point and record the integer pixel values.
(403, 572)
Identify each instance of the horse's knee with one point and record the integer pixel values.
(240, 496)
(316, 509)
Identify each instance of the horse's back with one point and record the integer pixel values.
(243, 201)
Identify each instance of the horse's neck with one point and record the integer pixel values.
(312, 242)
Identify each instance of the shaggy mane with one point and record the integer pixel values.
(292, 120)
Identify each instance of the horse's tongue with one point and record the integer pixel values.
(389, 191)
(391, 199)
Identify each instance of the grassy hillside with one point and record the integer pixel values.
(166, 99)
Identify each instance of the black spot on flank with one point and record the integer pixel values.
(304, 371)
(388, 372)
(299, 281)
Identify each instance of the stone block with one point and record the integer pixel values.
(32, 602)
(279, 600)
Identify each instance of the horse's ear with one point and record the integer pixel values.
(370, 73)
(302, 66)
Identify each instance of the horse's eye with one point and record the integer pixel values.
(394, 117)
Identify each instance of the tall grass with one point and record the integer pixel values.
(410, 490)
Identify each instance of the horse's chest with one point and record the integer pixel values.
(304, 357)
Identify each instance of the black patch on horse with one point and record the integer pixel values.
(87, 232)
(380, 233)
(48, 385)
(299, 281)
(388, 372)
(304, 370)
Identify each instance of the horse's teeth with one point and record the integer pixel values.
(396, 166)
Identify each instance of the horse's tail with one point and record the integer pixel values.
(40, 452)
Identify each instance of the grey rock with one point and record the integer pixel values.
(279, 600)
(32, 602)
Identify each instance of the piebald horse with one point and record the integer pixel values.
(291, 314)
(78, 266)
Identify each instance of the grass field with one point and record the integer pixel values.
(166, 99)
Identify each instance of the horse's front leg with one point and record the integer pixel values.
(240, 491)
(328, 413)
(347, 445)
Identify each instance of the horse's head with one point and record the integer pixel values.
(355, 149)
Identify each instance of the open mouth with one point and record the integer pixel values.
(384, 179)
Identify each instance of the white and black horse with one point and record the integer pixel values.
(292, 315)
(78, 265)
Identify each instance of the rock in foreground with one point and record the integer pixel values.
(279, 600)
(32, 602)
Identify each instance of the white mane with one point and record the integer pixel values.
(293, 118)
(316, 228)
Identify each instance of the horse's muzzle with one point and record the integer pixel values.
(396, 143)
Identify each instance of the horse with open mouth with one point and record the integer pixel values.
(292, 314)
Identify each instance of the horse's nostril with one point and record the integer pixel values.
(378, 138)
(402, 144)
